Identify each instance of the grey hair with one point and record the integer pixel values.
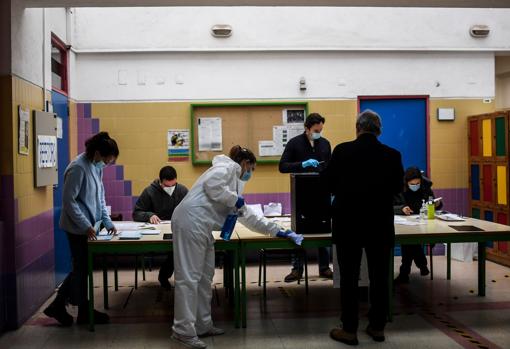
(369, 122)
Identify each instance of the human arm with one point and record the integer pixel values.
(217, 189)
(73, 181)
(143, 210)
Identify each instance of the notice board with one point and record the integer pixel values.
(45, 149)
(246, 124)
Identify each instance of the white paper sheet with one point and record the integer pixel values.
(130, 235)
(150, 232)
(268, 148)
(46, 151)
(128, 225)
(210, 136)
(273, 209)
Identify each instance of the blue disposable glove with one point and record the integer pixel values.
(310, 163)
(239, 202)
(289, 234)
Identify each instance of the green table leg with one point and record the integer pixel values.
(91, 290)
(105, 283)
(243, 284)
(237, 296)
(390, 285)
(481, 269)
(448, 261)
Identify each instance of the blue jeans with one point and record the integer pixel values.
(324, 253)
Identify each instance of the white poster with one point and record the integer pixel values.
(46, 151)
(268, 148)
(210, 136)
(59, 128)
(24, 128)
(284, 133)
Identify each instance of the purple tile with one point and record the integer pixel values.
(87, 127)
(127, 188)
(87, 107)
(109, 173)
(134, 200)
(80, 110)
(120, 171)
(119, 187)
(81, 126)
(95, 126)
(34, 249)
(454, 200)
(30, 228)
(109, 188)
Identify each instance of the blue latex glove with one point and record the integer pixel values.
(332, 199)
(310, 163)
(289, 234)
(239, 202)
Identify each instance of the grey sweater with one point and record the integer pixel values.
(155, 201)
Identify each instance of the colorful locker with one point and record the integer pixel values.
(487, 184)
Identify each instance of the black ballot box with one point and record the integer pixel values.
(310, 204)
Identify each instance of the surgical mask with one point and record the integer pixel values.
(414, 187)
(100, 165)
(169, 190)
(246, 176)
(316, 135)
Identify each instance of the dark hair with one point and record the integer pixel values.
(238, 154)
(102, 143)
(314, 118)
(369, 121)
(412, 173)
(167, 173)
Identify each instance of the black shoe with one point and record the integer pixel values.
(340, 335)
(294, 276)
(99, 318)
(401, 279)
(59, 313)
(424, 271)
(327, 274)
(377, 336)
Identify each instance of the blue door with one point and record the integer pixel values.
(404, 127)
(62, 253)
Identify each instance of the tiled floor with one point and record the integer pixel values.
(428, 314)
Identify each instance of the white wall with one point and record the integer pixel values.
(502, 82)
(295, 28)
(276, 75)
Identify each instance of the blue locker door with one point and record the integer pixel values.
(404, 127)
(62, 253)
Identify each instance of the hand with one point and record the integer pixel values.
(310, 163)
(289, 234)
(91, 233)
(112, 231)
(407, 210)
(154, 219)
(437, 203)
(239, 202)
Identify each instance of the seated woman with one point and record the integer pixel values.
(417, 188)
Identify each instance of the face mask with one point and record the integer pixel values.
(246, 176)
(100, 165)
(414, 187)
(169, 190)
(316, 135)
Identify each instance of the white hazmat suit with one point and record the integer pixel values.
(202, 211)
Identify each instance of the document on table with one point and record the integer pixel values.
(106, 237)
(130, 235)
(450, 217)
(128, 225)
(401, 220)
(150, 232)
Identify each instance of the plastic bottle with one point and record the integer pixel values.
(423, 210)
(431, 208)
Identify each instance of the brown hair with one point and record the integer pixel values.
(238, 154)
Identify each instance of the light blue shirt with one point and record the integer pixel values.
(83, 202)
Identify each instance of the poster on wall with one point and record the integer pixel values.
(293, 116)
(46, 151)
(24, 127)
(284, 133)
(178, 145)
(210, 136)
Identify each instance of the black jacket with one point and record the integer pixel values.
(155, 201)
(299, 149)
(414, 199)
(364, 175)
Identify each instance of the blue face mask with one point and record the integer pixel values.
(414, 187)
(246, 176)
(316, 135)
(100, 165)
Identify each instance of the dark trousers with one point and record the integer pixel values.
(167, 268)
(323, 256)
(410, 253)
(74, 287)
(349, 260)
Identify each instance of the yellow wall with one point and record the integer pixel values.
(31, 200)
(140, 129)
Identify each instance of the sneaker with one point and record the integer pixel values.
(424, 271)
(328, 274)
(190, 342)
(401, 279)
(340, 335)
(213, 331)
(294, 276)
(377, 336)
(59, 313)
(99, 318)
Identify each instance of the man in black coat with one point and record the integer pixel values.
(308, 152)
(156, 203)
(364, 175)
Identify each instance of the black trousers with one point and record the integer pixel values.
(410, 253)
(349, 260)
(74, 287)
(167, 268)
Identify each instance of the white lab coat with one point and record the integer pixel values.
(203, 210)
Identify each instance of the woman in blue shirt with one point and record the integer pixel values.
(83, 211)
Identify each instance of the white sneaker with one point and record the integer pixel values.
(213, 331)
(190, 342)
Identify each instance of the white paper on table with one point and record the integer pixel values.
(401, 220)
(165, 222)
(210, 134)
(269, 148)
(256, 209)
(148, 226)
(127, 225)
(150, 232)
(130, 235)
(106, 237)
(273, 209)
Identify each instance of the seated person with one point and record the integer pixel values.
(417, 188)
(157, 203)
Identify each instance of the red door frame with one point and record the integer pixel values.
(58, 43)
(427, 115)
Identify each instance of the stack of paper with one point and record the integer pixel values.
(450, 217)
(106, 237)
(150, 232)
(130, 235)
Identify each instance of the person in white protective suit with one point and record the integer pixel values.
(215, 195)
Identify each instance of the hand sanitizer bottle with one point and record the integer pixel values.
(431, 208)
(423, 211)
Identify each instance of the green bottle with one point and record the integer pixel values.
(431, 208)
